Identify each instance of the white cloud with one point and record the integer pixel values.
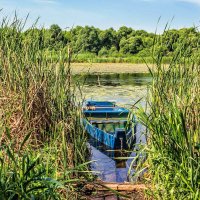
(197, 2)
(191, 1)
(46, 1)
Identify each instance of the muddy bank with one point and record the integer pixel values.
(108, 68)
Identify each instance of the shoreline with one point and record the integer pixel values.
(109, 68)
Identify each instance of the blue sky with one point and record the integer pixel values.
(138, 14)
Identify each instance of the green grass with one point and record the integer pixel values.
(93, 58)
(173, 124)
(42, 144)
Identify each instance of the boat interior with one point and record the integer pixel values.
(109, 126)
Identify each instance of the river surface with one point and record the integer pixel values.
(125, 89)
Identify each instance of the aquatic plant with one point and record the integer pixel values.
(173, 124)
(42, 144)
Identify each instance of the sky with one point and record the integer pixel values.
(138, 14)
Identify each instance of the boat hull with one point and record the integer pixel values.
(99, 115)
(117, 140)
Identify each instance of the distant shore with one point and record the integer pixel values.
(108, 68)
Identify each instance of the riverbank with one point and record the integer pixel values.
(109, 68)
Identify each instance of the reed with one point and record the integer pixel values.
(135, 59)
(42, 144)
(119, 58)
(173, 124)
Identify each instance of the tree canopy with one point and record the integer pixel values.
(110, 42)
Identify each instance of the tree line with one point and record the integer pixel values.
(115, 43)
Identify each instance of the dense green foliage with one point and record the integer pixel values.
(173, 124)
(42, 144)
(126, 43)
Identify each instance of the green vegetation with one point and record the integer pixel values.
(43, 151)
(173, 124)
(123, 45)
(43, 148)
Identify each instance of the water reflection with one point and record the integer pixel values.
(125, 89)
(138, 79)
(108, 165)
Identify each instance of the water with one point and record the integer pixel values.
(125, 89)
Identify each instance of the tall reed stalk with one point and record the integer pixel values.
(42, 145)
(173, 124)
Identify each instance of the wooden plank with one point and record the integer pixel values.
(103, 186)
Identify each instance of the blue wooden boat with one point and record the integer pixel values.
(109, 124)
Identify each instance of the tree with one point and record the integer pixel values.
(103, 52)
(108, 38)
(88, 40)
(109, 42)
(141, 33)
(135, 44)
(124, 31)
(131, 45)
(147, 42)
(124, 46)
(57, 39)
(113, 51)
(170, 37)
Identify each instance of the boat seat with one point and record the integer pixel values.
(107, 121)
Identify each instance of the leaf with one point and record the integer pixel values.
(25, 139)
(10, 154)
(32, 165)
(8, 133)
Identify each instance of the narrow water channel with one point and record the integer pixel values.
(125, 89)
